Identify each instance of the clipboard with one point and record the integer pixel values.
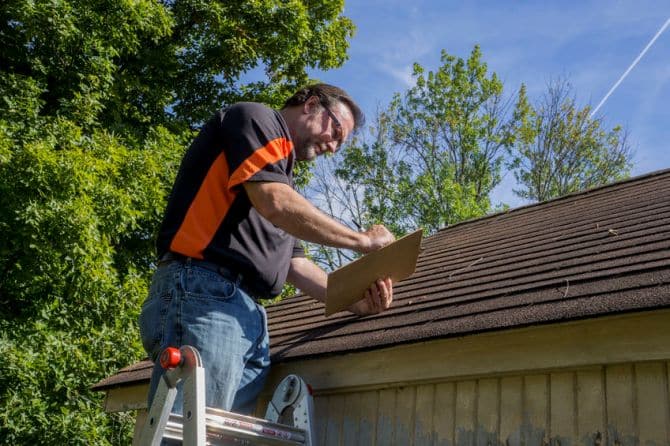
(347, 285)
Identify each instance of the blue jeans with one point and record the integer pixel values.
(192, 305)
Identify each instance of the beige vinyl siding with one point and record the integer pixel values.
(622, 404)
(599, 382)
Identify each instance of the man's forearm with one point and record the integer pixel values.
(308, 278)
(288, 210)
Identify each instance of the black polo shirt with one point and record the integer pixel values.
(209, 215)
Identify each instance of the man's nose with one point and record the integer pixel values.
(329, 142)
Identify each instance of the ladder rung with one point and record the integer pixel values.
(223, 425)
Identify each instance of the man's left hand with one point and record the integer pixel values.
(377, 298)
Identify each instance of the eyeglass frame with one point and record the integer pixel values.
(336, 122)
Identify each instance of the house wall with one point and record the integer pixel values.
(623, 404)
(600, 382)
(594, 382)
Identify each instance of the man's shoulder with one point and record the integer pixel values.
(254, 118)
(252, 110)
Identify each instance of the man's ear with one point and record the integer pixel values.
(311, 105)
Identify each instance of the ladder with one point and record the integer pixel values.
(288, 419)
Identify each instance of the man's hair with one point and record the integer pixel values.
(328, 95)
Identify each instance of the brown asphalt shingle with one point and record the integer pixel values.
(133, 374)
(593, 253)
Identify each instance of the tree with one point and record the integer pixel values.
(130, 65)
(432, 157)
(76, 55)
(97, 99)
(77, 220)
(454, 128)
(564, 149)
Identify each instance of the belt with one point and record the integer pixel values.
(233, 276)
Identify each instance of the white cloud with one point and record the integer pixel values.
(402, 74)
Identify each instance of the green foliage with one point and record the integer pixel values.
(432, 158)
(72, 50)
(562, 149)
(77, 214)
(134, 64)
(221, 40)
(452, 129)
(96, 103)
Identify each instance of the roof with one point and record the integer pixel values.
(593, 253)
(133, 374)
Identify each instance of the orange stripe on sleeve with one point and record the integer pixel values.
(207, 211)
(272, 152)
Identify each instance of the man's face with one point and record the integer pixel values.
(324, 129)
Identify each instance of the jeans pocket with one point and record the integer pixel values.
(206, 284)
(152, 323)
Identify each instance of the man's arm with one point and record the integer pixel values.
(290, 211)
(313, 281)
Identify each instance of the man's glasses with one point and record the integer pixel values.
(336, 123)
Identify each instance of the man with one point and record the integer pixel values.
(230, 236)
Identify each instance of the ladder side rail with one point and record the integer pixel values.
(195, 428)
(159, 413)
(304, 419)
(188, 369)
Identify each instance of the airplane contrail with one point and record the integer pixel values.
(637, 59)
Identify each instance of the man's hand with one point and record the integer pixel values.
(378, 298)
(378, 237)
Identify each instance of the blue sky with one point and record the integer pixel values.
(590, 43)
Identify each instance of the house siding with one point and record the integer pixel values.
(591, 382)
(619, 405)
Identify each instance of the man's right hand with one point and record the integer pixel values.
(378, 237)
